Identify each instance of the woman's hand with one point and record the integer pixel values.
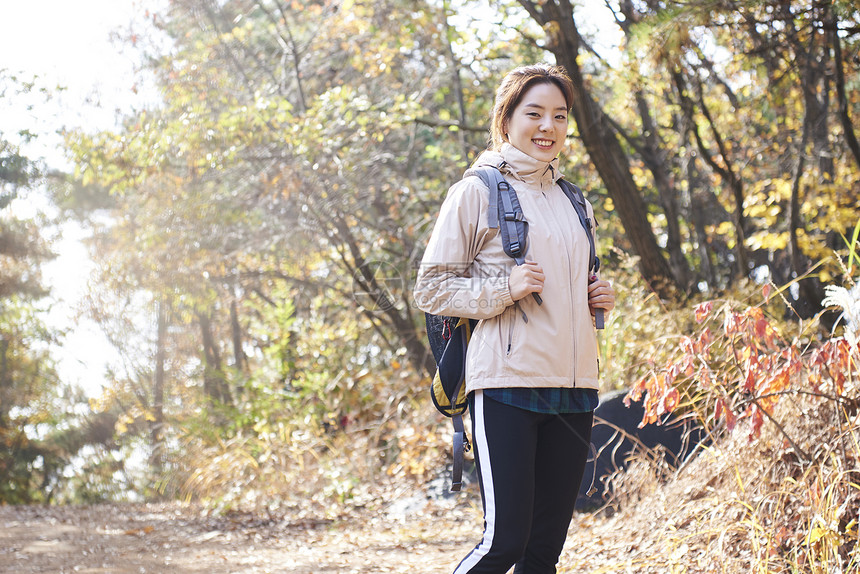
(526, 278)
(601, 295)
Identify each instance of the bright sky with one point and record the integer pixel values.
(74, 44)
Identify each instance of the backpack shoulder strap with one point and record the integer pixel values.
(574, 194)
(577, 199)
(505, 213)
(492, 178)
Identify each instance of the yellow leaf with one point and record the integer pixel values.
(725, 228)
(815, 535)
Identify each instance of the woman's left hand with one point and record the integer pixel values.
(601, 295)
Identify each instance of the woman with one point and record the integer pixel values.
(531, 370)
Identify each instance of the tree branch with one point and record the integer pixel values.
(802, 453)
(532, 9)
(288, 43)
(449, 125)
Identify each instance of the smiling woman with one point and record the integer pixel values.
(531, 366)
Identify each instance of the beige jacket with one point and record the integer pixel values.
(465, 272)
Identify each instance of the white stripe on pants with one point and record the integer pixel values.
(483, 451)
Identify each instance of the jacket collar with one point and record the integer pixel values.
(519, 165)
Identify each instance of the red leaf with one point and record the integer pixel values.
(732, 324)
(723, 410)
(703, 377)
(635, 392)
(671, 400)
(687, 346)
(731, 419)
(705, 337)
(703, 310)
(757, 422)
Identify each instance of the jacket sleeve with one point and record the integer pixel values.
(448, 282)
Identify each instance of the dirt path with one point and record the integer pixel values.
(156, 538)
(411, 536)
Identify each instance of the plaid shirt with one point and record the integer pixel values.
(547, 400)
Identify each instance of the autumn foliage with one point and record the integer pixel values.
(740, 364)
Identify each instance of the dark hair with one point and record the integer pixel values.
(514, 86)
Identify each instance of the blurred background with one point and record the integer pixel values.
(211, 213)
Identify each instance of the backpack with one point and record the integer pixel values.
(449, 336)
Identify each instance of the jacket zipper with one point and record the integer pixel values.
(569, 254)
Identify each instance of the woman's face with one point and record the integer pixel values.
(538, 125)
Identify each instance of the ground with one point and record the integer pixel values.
(177, 538)
(406, 536)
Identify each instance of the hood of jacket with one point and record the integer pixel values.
(517, 165)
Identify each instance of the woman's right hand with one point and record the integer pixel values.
(525, 279)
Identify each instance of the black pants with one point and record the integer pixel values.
(530, 467)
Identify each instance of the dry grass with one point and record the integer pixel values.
(740, 506)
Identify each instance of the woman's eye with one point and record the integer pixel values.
(560, 117)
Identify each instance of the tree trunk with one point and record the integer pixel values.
(813, 58)
(844, 117)
(811, 292)
(214, 381)
(240, 362)
(698, 200)
(156, 426)
(726, 170)
(655, 159)
(651, 150)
